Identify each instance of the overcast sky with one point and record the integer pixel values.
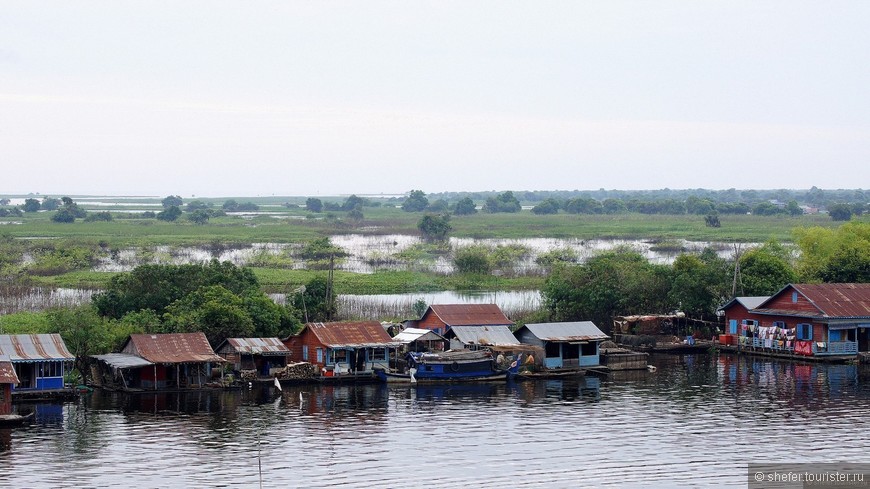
(329, 97)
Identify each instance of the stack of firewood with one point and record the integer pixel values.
(298, 371)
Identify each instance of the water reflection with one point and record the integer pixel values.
(696, 421)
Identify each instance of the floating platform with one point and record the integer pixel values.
(623, 359)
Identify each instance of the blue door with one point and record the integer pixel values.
(732, 326)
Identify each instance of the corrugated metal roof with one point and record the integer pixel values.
(843, 301)
(34, 347)
(750, 302)
(7, 371)
(470, 314)
(409, 335)
(358, 334)
(172, 348)
(498, 335)
(568, 331)
(257, 346)
(123, 360)
(838, 300)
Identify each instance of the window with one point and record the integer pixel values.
(570, 351)
(339, 355)
(779, 324)
(589, 349)
(794, 297)
(320, 355)
(304, 353)
(552, 350)
(378, 354)
(804, 332)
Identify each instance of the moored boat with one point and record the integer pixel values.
(7, 420)
(448, 366)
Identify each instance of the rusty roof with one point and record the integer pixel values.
(351, 334)
(7, 371)
(567, 331)
(834, 301)
(172, 348)
(255, 346)
(34, 347)
(470, 314)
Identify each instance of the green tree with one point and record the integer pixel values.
(230, 205)
(63, 215)
(699, 284)
(549, 206)
(840, 212)
(794, 209)
(353, 202)
(169, 214)
(834, 255)
(199, 216)
(196, 205)
(313, 205)
(171, 201)
(31, 205)
(766, 269)
(50, 204)
(416, 202)
(314, 301)
(99, 216)
(434, 228)
(84, 332)
(213, 310)
(465, 207)
(503, 202)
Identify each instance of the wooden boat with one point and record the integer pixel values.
(7, 420)
(449, 366)
(551, 374)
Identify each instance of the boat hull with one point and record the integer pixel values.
(422, 378)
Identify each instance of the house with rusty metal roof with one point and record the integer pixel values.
(166, 361)
(566, 345)
(8, 379)
(421, 340)
(40, 360)
(441, 317)
(825, 321)
(341, 349)
(265, 356)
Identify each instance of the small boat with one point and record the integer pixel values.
(448, 366)
(551, 374)
(7, 420)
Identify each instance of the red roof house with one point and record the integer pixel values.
(342, 348)
(441, 317)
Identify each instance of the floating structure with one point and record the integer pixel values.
(441, 317)
(170, 361)
(569, 347)
(480, 337)
(255, 358)
(449, 366)
(40, 361)
(421, 340)
(8, 379)
(828, 322)
(349, 350)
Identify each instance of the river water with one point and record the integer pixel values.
(695, 422)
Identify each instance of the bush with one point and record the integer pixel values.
(472, 259)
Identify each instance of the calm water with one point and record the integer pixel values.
(696, 422)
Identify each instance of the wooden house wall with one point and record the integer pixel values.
(309, 339)
(5, 398)
(527, 338)
(783, 301)
(432, 322)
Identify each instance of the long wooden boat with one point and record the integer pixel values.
(7, 420)
(449, 366)
(551, 374)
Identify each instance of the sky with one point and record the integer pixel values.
(327, 97)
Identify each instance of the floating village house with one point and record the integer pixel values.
(829, 321)
(479, 337)
(8, 379)
(737, 307)
(441, 317)
(341, 348)
(40, 360)
(158, 362)
(567, 345)
(421, 340)
(264, 356)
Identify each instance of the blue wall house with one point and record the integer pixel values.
(566, 345)
(40, 360)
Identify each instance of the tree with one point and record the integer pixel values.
(465, 207)
(439, 205)
(840, 212)
(834, 255)
(315, 301)
(699, 283)
(171, 201)
(549, 206)
(793, 208)
(99, 216)
(353, 202)
(31, 205)
(613, 206)
(196, 205)
(169, 214)
(50, 204)
(503, 202)
(712, 221)
(355, 215)
(230, 205)
(83, 332)
(416, 202)
(434, 228)
(213, 310)
(63, 215)
(313, 205)
(766, 269)
(199, 216)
